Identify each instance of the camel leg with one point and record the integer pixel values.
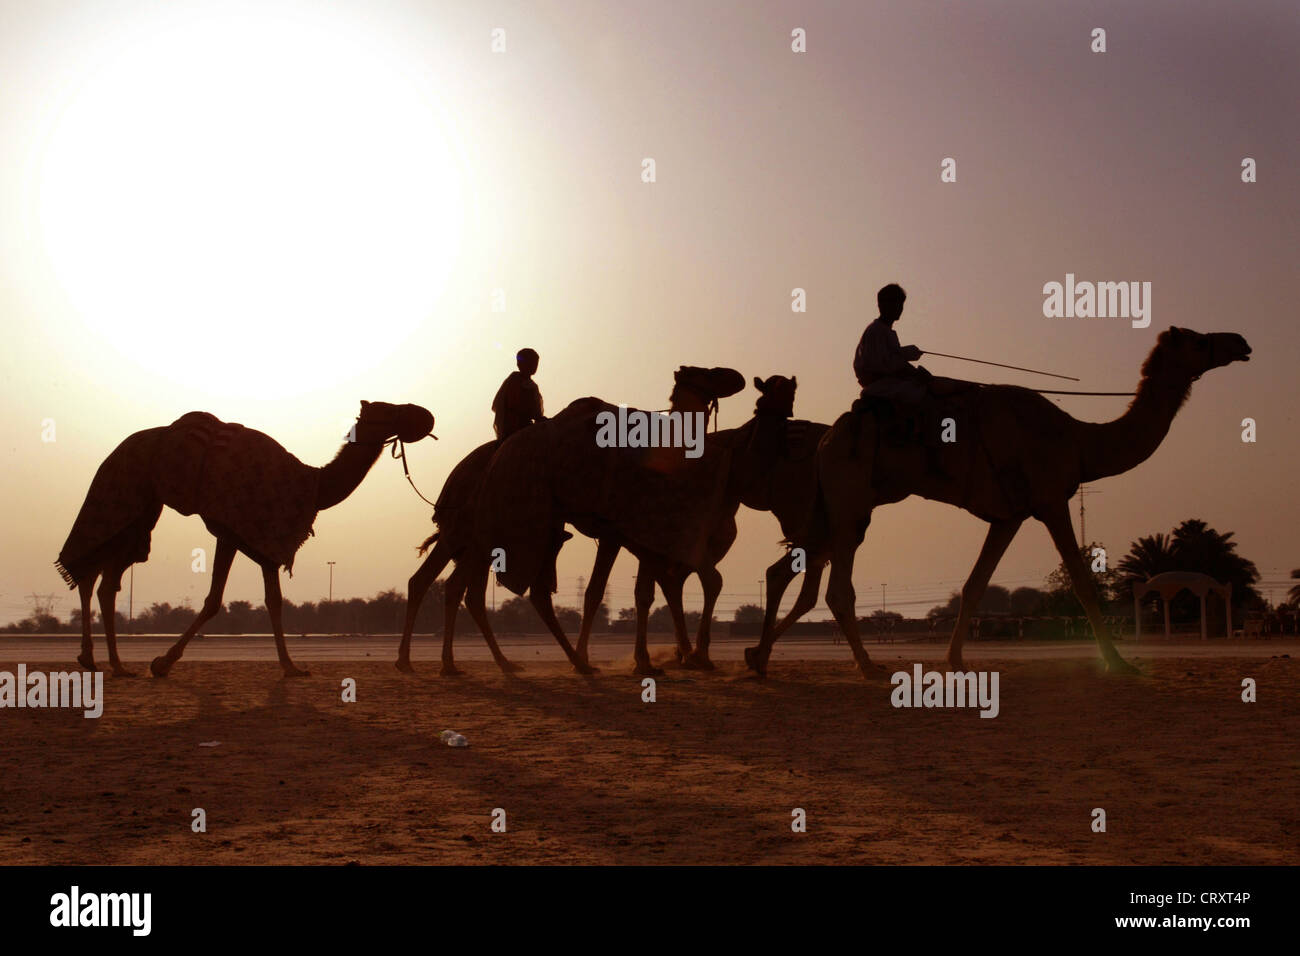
(275, 605)
(997, 540)
(606, 552)
(1062, 532)
(645, 595)
(540, 597)
(452, 592)
(711, 582)
(842, 599)
(87, 656)
(779, 575)
(108, 589)
(671, 583)
(416, 588)
(476, 603)
(225, 556)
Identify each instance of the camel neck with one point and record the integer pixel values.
(341, 476)
(761, 444)
(1117, 446)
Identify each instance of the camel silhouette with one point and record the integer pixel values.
(471, 504)
(1016, 456)
(252, 494)
(772, 468)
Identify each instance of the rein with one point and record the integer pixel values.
(399, 451)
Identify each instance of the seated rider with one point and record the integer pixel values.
(882, 365)
(885, 371)
(518, 401)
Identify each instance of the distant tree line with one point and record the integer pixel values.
(1192, 546)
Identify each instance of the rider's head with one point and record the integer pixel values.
(527, 361)
(890, 299)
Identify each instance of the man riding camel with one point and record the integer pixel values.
(882, 365)
(518, 402)
(901, 393)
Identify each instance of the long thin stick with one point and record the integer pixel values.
(1049, 391)
(962, 358)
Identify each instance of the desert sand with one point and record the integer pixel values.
(708, 774)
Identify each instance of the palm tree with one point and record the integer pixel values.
(1293, 596)
(1147, 557)
(1198, 547)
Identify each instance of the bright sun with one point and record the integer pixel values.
(259, 202)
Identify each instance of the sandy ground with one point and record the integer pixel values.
(588, 773)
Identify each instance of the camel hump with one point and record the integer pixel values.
(200, 419)
(582, 407)
(463, 483)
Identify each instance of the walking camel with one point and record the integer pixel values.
(773, 468)
(675, 523)
(1016, 456)
(252, 494)
(453, 515)
(459, 512)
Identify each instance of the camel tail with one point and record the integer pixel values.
(429, 541)
(66, 575)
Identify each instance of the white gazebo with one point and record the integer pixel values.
(1169, 584)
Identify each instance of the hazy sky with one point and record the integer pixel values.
(271, 211)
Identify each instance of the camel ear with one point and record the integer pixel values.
(758, 383)
(794, 381)
(365, 404)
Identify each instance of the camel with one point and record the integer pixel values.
(1016, 456)
(254, 496)
(674, 528)
(453, 514)
(772, 469)
(458, 510)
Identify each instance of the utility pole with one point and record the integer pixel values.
(1083, 527)
(761, 605)
(130, 604)
(331, 564)
(884, 601)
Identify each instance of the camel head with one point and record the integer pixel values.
(777, 395)
(1181, 354)
(704, 384)
(380, 421)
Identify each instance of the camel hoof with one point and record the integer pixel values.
(645, 670)
(404, 666)
(86, 661)
(870, 669)
(754, 662)
(1121, 666)
(450, 670)
(697, 663)
(296, 672)
(582, 667)
(509, 667)
(160, 666)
